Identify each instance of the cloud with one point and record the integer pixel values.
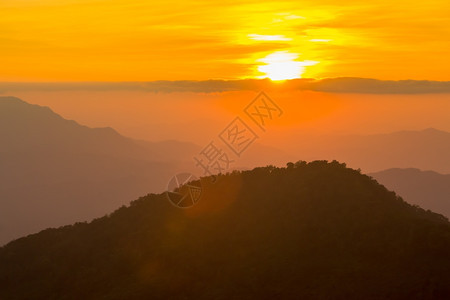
(330, 85)
(374, 86)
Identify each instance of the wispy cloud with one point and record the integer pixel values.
(117, 40)
(329, 85)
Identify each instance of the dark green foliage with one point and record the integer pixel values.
(308, 231)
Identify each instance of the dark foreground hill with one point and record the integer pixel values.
(308, 231)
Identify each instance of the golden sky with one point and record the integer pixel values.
(123, 40)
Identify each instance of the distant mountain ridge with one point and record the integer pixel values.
(428, 189)
(55, 171)
(426, 150)
(24, 125)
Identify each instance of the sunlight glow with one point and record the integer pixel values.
(260, 37)
(320, 40)
(281, 65)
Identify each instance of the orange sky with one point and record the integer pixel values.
(122, 40)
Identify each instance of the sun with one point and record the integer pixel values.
(281, 65)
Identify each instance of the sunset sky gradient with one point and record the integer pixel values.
(121, 40)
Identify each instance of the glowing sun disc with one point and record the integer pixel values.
(281, 65)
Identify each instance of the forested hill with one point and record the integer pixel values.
(308, 231)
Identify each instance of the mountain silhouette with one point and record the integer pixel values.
(55, 171)
(427, 189)
(308, 231)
